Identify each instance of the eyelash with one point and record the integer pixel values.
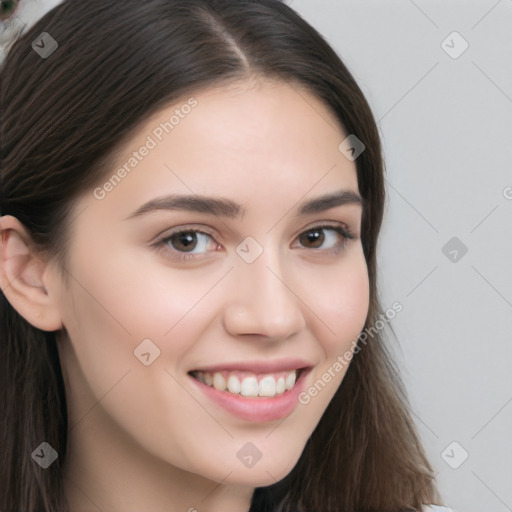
(344, 232)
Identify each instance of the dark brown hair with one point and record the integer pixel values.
(63, 117)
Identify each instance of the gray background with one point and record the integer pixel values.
(446, 126)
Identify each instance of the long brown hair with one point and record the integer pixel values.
(63, 117)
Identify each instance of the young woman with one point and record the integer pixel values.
(191, 196)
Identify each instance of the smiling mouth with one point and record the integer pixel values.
(250, 384)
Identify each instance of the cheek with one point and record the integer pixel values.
(342, 307)
(341, 302)
(107, 379)
(127, 296)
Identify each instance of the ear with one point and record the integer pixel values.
(24, 277)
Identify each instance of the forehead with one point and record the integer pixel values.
(262, 139)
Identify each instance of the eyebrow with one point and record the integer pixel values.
(224, 207)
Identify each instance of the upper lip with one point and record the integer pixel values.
(258, 366)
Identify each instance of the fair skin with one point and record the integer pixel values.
(145, 437)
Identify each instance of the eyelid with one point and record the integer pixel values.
(327, 224)
(161, 241)
(342, 228)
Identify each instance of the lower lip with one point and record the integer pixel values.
(256, 409)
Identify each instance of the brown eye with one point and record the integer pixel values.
(7, 9)
(184, 240)
(315, 237)
(328, 238)
(187, 244)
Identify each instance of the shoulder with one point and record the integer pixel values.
(436, 508)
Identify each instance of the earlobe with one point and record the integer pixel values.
(22, 277)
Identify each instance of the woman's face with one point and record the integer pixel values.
(259, 290)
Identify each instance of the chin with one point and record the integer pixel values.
(260, 474)
(249, 478)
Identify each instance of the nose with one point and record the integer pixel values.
(263, 301)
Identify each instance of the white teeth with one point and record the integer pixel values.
(249, 386)
(234, 384)
(208, 378)
(268, 385)
(290, 381)
(219, 382)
